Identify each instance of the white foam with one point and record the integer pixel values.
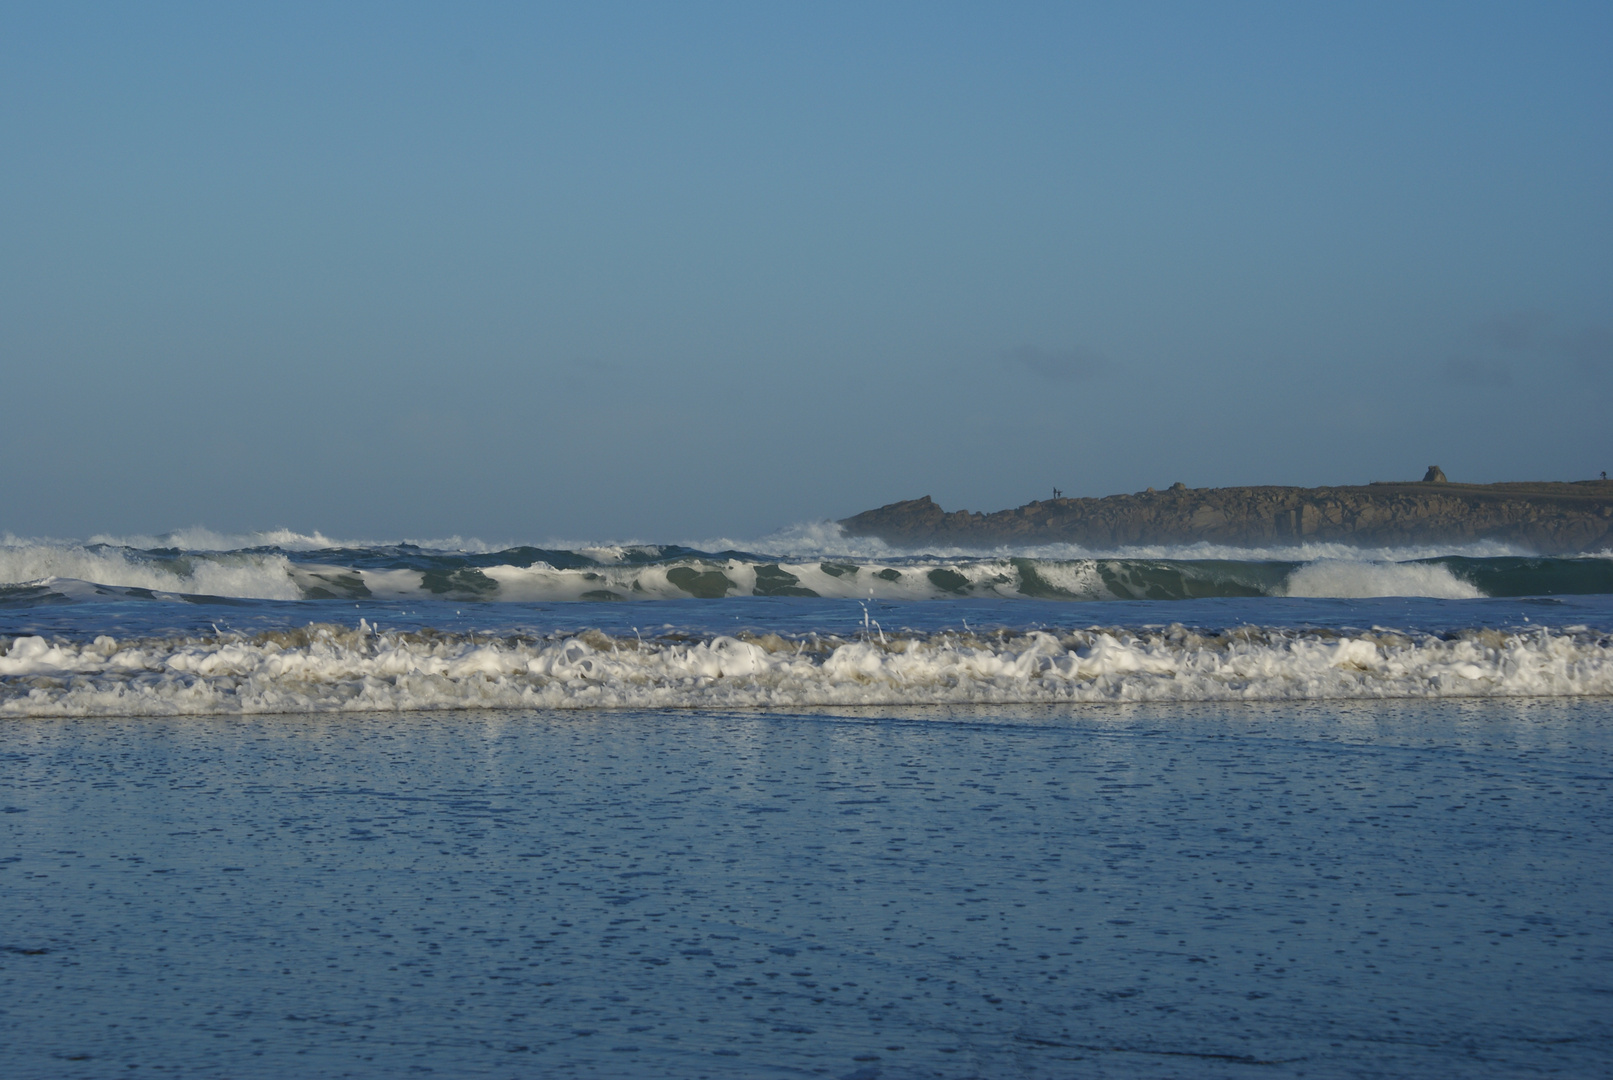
(334, 669)
(243, 574)
(1354, 579)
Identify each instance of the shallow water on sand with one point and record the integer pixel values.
(1403, 889)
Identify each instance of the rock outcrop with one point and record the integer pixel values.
(1550, 518)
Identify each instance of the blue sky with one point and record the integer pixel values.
(677, 271)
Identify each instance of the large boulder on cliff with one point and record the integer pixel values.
(1435, 475)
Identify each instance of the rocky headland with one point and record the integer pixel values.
(1549, 518)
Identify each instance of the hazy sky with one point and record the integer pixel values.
(681, 270)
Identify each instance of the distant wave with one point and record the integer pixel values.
(33, 572)
(325, 668)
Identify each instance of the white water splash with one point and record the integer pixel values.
(1354, 579)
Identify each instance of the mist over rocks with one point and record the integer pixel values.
(1552, 518)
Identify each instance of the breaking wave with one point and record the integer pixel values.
(329, 668)
(1354, 580)
(296, 567)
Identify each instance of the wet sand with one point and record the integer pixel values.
(1404, 889)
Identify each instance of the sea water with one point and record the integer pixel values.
(1348, 889)
(968, 830)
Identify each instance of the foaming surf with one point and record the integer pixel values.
(332, 668)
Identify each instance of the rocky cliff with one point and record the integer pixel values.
(1550, 518)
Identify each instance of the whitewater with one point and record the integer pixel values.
(203, 623)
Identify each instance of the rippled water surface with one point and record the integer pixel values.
(1402, 889)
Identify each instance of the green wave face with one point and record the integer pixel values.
(1131, 579)
(1523, 576)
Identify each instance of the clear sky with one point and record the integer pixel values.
(672, 271)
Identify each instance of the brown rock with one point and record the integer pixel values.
(1550, 518)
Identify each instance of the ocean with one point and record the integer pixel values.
(802, 806)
